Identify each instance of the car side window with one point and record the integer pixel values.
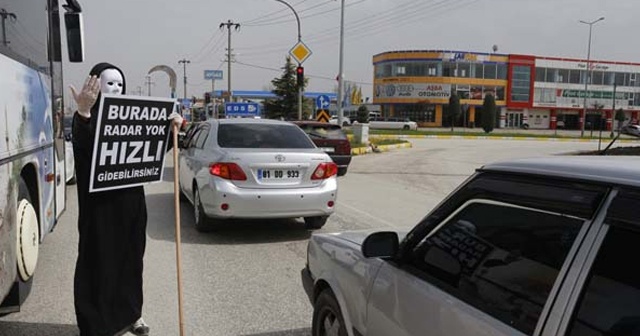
(610, 302)
(191, 135)
(202, 137)
(500, 258)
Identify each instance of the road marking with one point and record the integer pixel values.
(368, 215)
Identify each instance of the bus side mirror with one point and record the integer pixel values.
(75, 34)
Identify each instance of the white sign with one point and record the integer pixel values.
(413, 91)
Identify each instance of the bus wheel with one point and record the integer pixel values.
(28, 234)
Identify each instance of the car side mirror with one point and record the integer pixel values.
(75, 34)
(381, 245)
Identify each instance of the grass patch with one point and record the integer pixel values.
(478, 134)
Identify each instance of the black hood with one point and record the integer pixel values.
(97, 70)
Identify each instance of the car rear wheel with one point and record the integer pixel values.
(327, 317)
(342, 171)
(203, 223)
(406, 127)
(314, 223)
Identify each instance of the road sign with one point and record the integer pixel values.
(212, 74)
(323, 102)
(242, 109)
(300, 52)
(322, 116)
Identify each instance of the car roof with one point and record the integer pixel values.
(624, 170)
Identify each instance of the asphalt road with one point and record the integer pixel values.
(245, 279)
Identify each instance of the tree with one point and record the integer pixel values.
(286, 89)
(363, 114)
(488, 115)
(620, 117)
(454, 109)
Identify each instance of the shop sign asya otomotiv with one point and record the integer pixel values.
(413, 91)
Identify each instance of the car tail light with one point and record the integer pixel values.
(325, 170)
(343, 147)
(229, 171)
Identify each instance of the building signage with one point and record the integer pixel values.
(593, 66)
(413, 91)
(575, 99)
(465, 57)
(242, 109)
(590, 94)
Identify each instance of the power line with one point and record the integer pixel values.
(377, 25)
(273, 20)
(414, 5)
(212, 50)
(228, 25)
(261, 17)
(308, 75)
(208, 43)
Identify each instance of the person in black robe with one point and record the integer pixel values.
(112, 227)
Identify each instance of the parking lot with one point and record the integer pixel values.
(245, 279)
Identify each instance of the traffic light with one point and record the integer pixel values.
(300, 76)
(207, 98)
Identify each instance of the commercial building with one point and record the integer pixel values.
(531, 91)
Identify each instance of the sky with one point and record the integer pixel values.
(139, 34)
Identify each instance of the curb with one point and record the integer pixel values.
(381, 148)
(477, 137)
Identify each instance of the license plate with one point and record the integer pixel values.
(328, 149)
(278, 174)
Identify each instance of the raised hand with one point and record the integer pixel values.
(176, 119)
(87, 96)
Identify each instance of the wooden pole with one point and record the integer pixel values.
(176, 199)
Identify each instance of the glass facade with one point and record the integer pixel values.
(418, 112)
(441, 69)
(571, 76)
(521, 84)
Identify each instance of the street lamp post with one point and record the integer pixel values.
(299, 40)
(588, 70)
(341, 70)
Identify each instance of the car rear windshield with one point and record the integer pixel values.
(262, 136)
(324, 132)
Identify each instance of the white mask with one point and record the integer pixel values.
(111, 81)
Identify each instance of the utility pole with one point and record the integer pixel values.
(588, 72)
(341, 71)
(229, 24)
(149, 83)
(184, 62)
(6, 15)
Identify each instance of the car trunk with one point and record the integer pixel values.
(277, 168)
(340, 147)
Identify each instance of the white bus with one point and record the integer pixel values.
(32, 148)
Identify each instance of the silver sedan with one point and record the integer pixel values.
(254, 168)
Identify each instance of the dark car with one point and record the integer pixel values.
(331, 139)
